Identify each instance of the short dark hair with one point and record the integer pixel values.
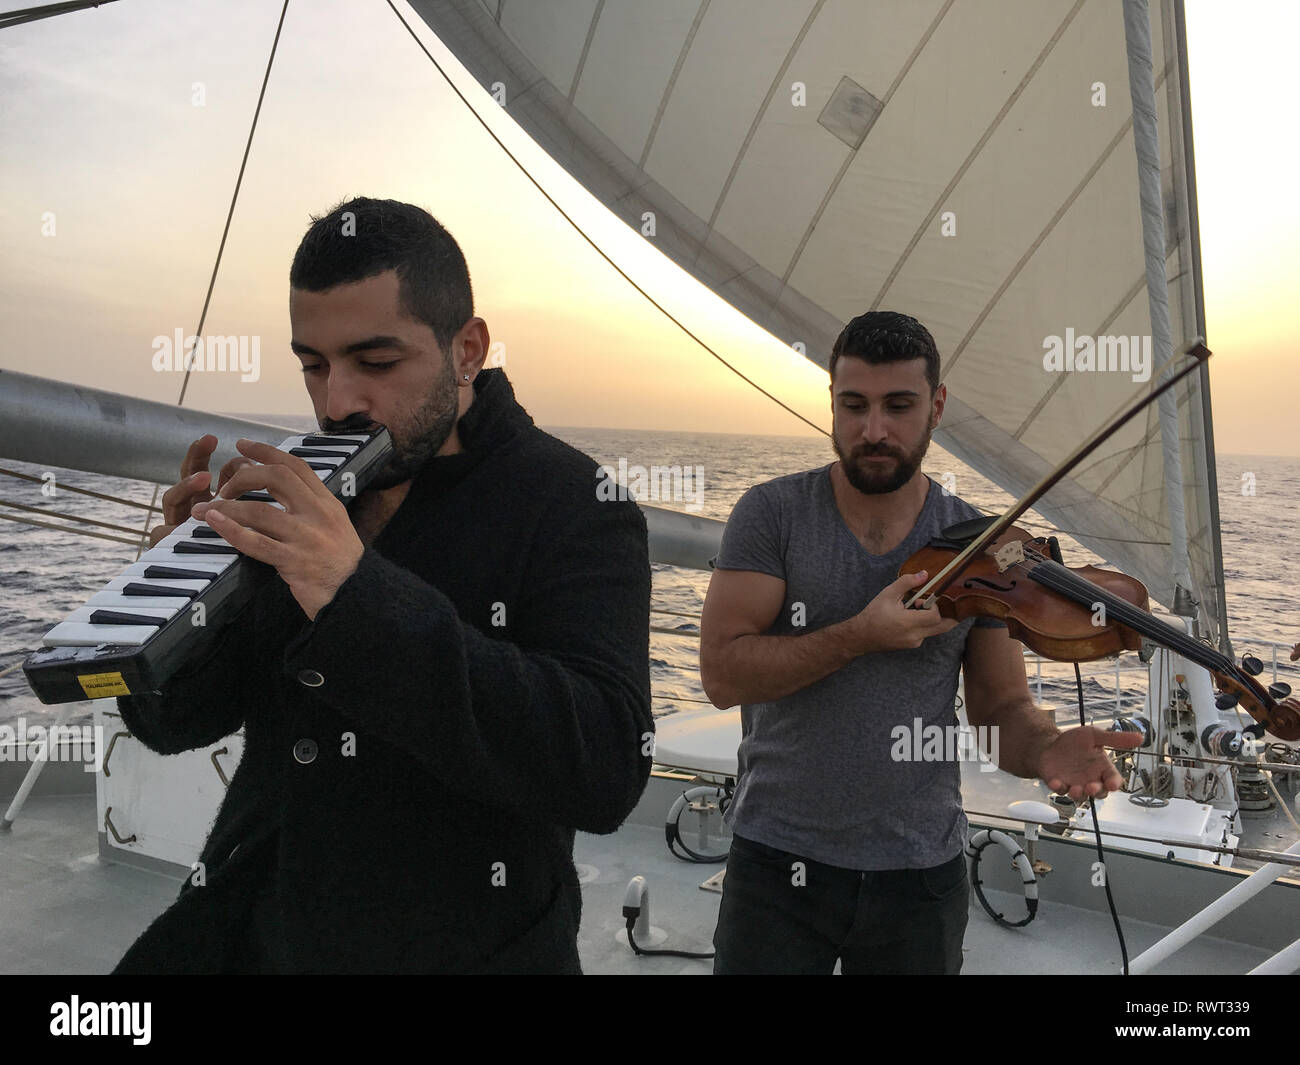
(888, 336)
(390, 235)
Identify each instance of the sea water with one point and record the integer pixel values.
(46, 573)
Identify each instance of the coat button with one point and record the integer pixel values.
(304, 751)
(310, 678)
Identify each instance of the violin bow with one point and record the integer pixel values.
(1196, 352)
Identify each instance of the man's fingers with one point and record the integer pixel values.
(229, 469)
(902, 586)
(182, 490)
(261, 517)
(938, 625)
(180, 497)
(273, 456)
(283, 484)
(1122, 741)
(196, 458)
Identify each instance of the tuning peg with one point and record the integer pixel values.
(1252, 665)
(1279, 689)
(1225, 700)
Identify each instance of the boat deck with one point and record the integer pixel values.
(68, 911)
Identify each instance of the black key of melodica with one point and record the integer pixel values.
(320, 453)
(327, 441)
(189, 547)
(118, 617)
(176, 573)
(139, 588)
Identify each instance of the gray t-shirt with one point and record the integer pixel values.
(816, 773)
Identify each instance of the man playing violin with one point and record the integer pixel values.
(841, 848)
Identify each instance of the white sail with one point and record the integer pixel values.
(970, 163)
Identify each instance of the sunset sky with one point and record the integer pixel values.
(99, 128)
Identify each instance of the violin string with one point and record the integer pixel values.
(1058, 578)
(1189, 648)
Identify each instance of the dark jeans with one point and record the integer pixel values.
(890, 921)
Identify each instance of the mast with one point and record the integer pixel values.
(1185, 190)
(1137, 36)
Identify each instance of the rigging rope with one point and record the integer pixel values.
(66, 528)
(80, 491)
(66, 517)
(225, 232)
(582, 233)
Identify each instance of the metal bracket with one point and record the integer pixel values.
(217, 765)
(111, 743)
(108, 824)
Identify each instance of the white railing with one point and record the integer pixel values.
(1216, 912)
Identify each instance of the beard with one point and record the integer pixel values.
(430, 427)
(880, 478)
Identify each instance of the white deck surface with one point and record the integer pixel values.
(66, 911)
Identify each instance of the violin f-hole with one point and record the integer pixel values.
(972, 581)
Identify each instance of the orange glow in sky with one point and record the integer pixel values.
(103, 133)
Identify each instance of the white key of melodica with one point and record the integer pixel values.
(80, 634)
(77, 629)
(114, 601)
(165, 552)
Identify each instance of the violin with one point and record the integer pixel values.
(1080, 613)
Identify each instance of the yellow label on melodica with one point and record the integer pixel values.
(102, 685)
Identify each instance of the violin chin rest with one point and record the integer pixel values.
(965, 531)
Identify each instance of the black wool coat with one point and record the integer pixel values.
(476, 691)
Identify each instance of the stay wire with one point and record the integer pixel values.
(225, 232)
(582, 233)
(72, 488)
